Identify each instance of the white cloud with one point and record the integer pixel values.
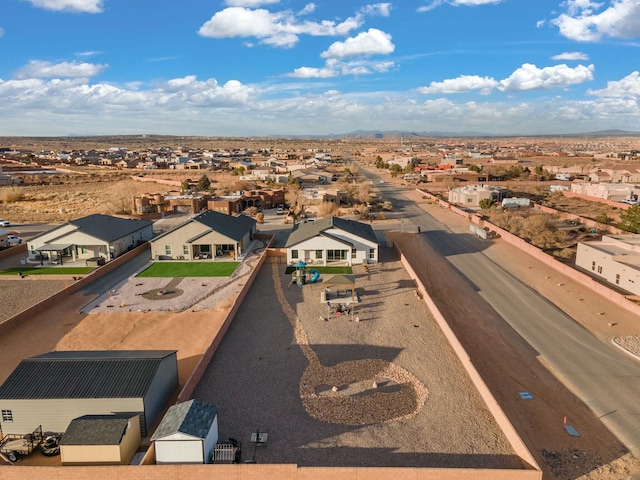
(627, 88)
(281, 29)
(250, 3)
(462, 84)
(371, 42)
(527, 77)
(188, 106)
(81, 6)
(88, 53)
(308, 9)
(41, 69)
(457, 3)
(336, 68)
(530, 77)
(571, 56)
(586, 21)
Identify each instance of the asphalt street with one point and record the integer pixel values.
(604, 377)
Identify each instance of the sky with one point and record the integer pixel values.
(250, 68)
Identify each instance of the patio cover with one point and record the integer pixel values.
(342, 281)
(54, 247)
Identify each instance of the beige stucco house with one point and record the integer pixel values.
(92, 236)
(614, 259)
(205, 236)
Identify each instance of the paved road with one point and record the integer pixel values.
(605, 378)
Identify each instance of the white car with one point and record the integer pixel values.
(13, 240)
(4, 223)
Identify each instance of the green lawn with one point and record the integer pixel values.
(47, 271)
(326, 270)
(190, 269)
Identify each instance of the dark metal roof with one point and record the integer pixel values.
(96, 430)
(233, 227)
(193, 417)
(107, 228)
(84, 374)
(305, 231)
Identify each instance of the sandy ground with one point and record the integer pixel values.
(277, 371)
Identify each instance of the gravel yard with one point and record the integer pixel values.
(308, 381)
(17, 294)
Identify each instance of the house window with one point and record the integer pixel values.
(337, 254)
(294, 254)
(593, 266)
(617, 279)
(599, 269)
(84, 250)
(372, 253)
(7, 416)
(318, 254)
(167, 249)
(185, 249)
(354, 253)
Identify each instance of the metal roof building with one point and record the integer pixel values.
(54, 388)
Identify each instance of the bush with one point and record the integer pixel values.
(11, 194)
(260, 218)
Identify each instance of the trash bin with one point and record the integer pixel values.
(23, 261)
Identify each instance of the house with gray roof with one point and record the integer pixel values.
(207, 235)
(332, 241)
(90, 237)
(54, 388)
(188, 433)
(101, 440)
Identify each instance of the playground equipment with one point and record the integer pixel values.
(299, 276)
(315, 275)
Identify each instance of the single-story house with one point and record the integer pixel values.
(614, 259)
(101, 440)
(54, 388)
(89, 237)
(188, 433)
(205, 236)
(332, 241)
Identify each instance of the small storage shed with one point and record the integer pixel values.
(101, 440)
(188, 433)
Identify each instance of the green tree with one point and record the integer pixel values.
(630, 219)
(474, 168)
(486, 203)
(185, 185)
(203, 182)
(395, 169)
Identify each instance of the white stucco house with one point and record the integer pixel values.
(332, 241)
(93, 236)
(614, 259)
(205, 236)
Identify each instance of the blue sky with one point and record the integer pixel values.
(288, 67)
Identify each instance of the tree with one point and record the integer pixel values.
(395, 170)
(185, 185)
(203, 182)
(630, 219)
(474, 168)
(486, 203)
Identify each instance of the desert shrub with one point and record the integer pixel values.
(327, 209)
(603, 218)
(251, 211)
(260, 218)
(387, 206)
(11, 194)
(382, 216)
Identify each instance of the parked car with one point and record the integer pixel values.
(280, 211)
(13, 240)
(4, 223)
